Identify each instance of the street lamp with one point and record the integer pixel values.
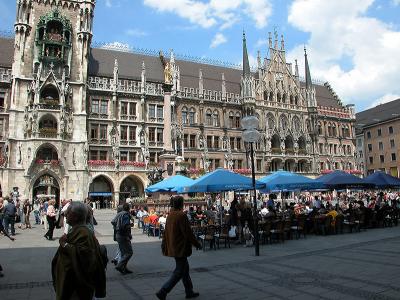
(252, 135)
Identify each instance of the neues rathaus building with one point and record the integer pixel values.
(77, 120)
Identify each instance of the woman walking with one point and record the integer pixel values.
(51, 219)
(27, 213)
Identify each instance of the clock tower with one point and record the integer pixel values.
(47, 115)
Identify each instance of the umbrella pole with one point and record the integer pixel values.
(253, 177)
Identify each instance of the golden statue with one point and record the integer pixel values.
(168, 73)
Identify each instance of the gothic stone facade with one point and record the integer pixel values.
(78, 120)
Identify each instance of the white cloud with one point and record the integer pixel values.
(223, 13)
(384, 99)
(135, 32)
(109, 3)
(355, 53)
(117, 46)
(218, 39)
(396, 2)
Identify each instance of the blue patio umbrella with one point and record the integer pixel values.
(220, 180)
(382, 180)
(342, 180)
(169, 184)
(288, 181)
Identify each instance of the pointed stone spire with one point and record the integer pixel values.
(282, 43)
(116, 75)
(116, 70)
(246, 65)
(276, 39)
(143, 77)
(270, 39)
(259, 60)
(201, 83)
(296, 68)
(307, 69)
(223, 87)
(172, 58)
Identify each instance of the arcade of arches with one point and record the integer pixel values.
(46, 186)
(102, 189)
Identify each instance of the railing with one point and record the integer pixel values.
(98, 116)
(5, 78)
(125, 86)
(110, 165)
(46, 133)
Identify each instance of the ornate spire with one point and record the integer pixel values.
(201, 85)
(282, 43)
(259, 59)
(296, 68)
(307, 69)
(223, 87)
(143, 76)
(270, 39)
(172, 58)
(116, 69)
(246, 65)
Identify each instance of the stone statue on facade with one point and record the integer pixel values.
(168, 74)
(19, 154)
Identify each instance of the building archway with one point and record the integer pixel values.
(290, 165)
(131, 187)
(47, 152)
(289, 144)
(101, 190)
(302, 166)
(275, 144)
(46, 187)
(275, 165)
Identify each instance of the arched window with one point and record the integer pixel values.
(284, 98)
(231, 120)
(271, 96)
(48, 126)
(270, 121)
(209, 118)
(184, 115)
(215, 119)
(291, 99)
(192, 116)
(296, 100)
(319, 128)
(47, 153)
(302, 144)
(289, 143)
(278, 97)
(275, 144)
(49, 95)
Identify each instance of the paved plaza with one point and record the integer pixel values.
(350, 266)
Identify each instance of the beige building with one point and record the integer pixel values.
(81, 121)
(380, 129)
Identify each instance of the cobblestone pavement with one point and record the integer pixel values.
(362, 265)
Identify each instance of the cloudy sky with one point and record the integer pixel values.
(353, 44)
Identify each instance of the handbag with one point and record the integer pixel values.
(232, 232)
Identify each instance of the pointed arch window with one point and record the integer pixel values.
(231, 120)
(209, 121)
(192, 116)
(215, 118)
(184, 115)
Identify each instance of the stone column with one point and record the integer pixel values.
(167, 118)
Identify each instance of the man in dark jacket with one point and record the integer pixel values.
(9, 217)
(78, 269)
(122, 226)
(177, 243)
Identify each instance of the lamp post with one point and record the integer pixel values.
(252, 135)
